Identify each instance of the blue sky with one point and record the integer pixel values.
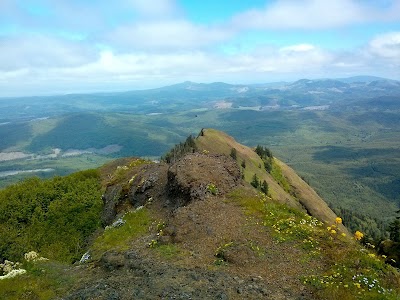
(65, 46)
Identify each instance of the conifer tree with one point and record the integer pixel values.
(394, 229)
(264, 187)
(233, 153)
(255, 182)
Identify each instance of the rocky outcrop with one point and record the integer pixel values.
(111, 199)
(195, 176)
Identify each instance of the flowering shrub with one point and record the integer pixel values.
(33, 256)
(212, 188)
(10, 269)
(334, 229)
(364, 284)
(293, 227)
(358, 235)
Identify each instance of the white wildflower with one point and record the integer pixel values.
(13, 273)
(31, 256)
(34, 256)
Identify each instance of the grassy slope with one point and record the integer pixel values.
(216, 141)
(219, 142)
(315, 205)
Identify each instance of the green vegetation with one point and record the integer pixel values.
(42, 280)
(350, 270)
(133, 224)
(394, 229)
(212, 188)
(276, 173)
(233, 154)
(168, 251)
(264, 187)
(180, 150)
(53, 217)
(271, 167)
(220, 253)
(243, 164)
(374, 228)
(255, 182)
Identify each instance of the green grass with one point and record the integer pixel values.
(346, 269)
(43, 280)
(254, 204)
(276, 173)
(355, 273)
(119, 238)
(169, 251)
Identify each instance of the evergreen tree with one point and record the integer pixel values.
(394, 229)
(264, 187)
(268, 165)
(233, 153)
(243, 164)
(179, 150)
(255, 182)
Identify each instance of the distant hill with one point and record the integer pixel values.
(362, 79)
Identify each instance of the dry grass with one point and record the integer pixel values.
(216, 141)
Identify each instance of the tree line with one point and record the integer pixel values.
(179, 150)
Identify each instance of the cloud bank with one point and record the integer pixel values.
(65, 46)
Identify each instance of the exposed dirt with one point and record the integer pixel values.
(190, 178)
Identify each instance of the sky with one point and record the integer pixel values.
(74, 46)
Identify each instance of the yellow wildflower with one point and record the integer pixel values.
(333, 226)
(333, 231)
(358, 235)
(343, 234)
(338, 220)
(329, 228)
(357, 285)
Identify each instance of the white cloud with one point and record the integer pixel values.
(386, 45)
(132, 43)
(314, 14)
(155, 8)
(129, 70)
(298, 48)
(166, 34)
(38, 51)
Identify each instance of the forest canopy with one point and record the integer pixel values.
(53, 217)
